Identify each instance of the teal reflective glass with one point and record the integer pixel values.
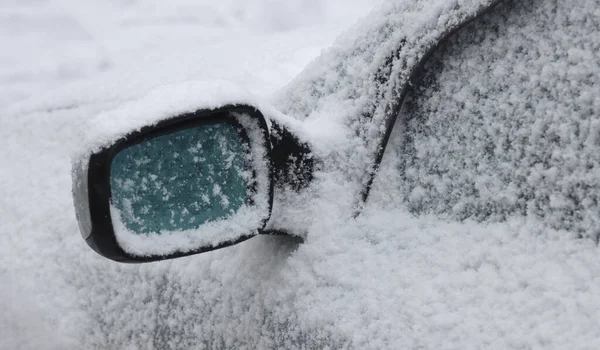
(181, 180)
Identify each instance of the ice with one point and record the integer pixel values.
(397, 276)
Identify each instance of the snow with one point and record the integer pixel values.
(397, 276)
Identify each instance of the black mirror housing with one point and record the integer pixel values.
(119, 237)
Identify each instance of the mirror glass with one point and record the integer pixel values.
(182, 180)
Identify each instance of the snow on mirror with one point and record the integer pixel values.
(182, 190)
(180, 181)
(190, 187)
(185, 185)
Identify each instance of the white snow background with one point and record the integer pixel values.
(384, 280)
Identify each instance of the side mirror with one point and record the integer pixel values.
(186, 185)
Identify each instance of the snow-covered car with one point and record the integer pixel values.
(485, 109)
(468, 236)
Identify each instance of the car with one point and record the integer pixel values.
(488, 133)
(476, 121)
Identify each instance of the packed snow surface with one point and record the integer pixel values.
(432, 262)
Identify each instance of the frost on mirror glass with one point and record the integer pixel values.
(181, 180)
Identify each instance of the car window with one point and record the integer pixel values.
(504, 121)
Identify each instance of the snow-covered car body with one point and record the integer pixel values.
(527, 70)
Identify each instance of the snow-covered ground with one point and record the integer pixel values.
(383, 280)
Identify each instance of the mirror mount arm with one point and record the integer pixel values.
(292, 160)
